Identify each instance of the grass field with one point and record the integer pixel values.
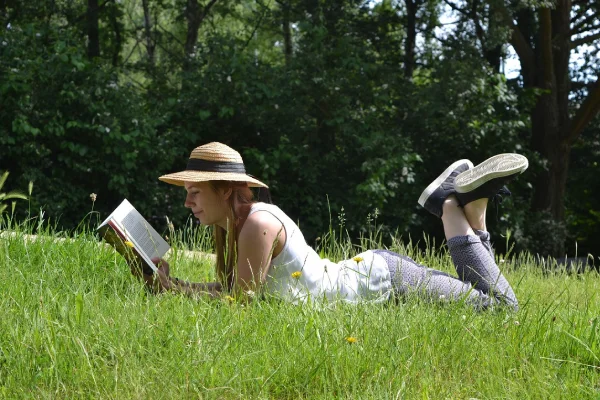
(76, 324)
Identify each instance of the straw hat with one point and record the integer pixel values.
(213, 162)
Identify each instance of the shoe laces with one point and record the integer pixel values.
(498, 198)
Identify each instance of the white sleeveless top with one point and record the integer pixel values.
(298, 274)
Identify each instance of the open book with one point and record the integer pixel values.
(133, 237)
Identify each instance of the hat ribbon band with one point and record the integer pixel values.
(195, 164)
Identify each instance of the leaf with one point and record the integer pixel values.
(3, 179)
(203, 114)
(15, 194)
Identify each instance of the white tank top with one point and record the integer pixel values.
(298, 274)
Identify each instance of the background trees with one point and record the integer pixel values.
(333, 103)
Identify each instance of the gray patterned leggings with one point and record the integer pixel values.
(479, 281)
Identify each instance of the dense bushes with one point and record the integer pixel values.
(336, 125)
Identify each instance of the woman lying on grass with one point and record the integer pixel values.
(272, 255)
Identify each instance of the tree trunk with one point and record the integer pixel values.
(287, 33)
(194, 15)
(491, 52)
(114, 21)
(545, 66)
(411, 37)
(93, 30)
(150, 46)
(550, 118)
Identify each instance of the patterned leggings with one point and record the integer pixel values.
(479, 281)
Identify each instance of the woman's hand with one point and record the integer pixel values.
(161, 279)
(157, 282)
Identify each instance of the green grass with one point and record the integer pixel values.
(75, 324)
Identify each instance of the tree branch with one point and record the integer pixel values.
(578, 85)
(478, 29)
(588, 110)
(207, 9)
(255, 28)
(445, 42)
(518, 41)
(194, 16)
(175, 38)
(137, 42)
(578, 27)
(584, 40)
(580, 14)
(95, 9)
(456, 8)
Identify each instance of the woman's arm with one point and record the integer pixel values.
(162, 281)
(262, 238)
(213, 289)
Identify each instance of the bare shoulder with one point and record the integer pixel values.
(263, 229)
(259, 222)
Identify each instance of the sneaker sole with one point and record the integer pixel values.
(497, 166)
(435, 184)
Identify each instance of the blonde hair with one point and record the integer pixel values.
(226, 239)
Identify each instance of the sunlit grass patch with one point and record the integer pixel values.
(76, 324)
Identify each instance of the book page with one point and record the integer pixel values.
(145, 236)
(136, 229)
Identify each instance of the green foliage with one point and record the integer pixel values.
(74, 127)
(583, 202)
(328, 118)
(12, 195)
(542, 232)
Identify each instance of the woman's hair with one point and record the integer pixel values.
(226, 240)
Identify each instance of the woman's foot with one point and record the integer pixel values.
(487, 179)
(432, 198)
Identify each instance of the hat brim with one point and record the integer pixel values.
(179, 178)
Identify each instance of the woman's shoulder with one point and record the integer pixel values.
(263, 215)
(263, 228)
(264, 209)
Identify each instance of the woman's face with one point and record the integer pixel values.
(206, 203)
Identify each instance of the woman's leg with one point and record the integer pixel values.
(465, 232)
(474, 262)
(409, 277)
(475, 213)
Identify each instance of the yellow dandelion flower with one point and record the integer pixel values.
(230, 299)
(128, 244)
(351, 339)
(358, 259)
(296, 274)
